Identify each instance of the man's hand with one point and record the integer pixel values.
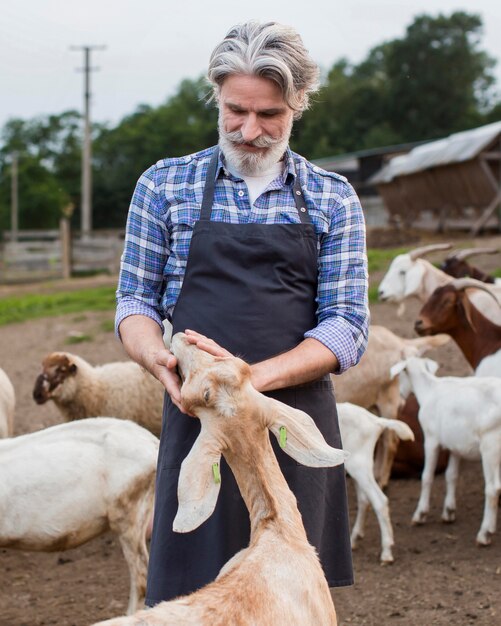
(143, 341)
(162, 364)
(204, 343)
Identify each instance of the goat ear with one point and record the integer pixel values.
(301, 439)
(466, 306)
(397, 368)
(413, 280)
(198, 486)
(431, 365)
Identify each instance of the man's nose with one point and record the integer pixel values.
(250, 128)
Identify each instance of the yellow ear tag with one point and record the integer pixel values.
(215, 473)
(283, 436)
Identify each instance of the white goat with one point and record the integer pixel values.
(464, 416)
(370, 385)
(411, 276)
(64, 485)
(278, 578)
(360, 431)
(7, 405)
(79, 390)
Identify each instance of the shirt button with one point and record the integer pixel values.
(241, 193)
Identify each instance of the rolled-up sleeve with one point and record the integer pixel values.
(146, 250)
(343, 310)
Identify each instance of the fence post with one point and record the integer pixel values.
(65, 237)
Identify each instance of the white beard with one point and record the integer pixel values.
(252, 163)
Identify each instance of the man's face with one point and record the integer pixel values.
(255, 123)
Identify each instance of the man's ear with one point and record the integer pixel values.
(299, 436)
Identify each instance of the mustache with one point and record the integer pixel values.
(264, 141)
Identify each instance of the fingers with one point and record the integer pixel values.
(162, 366)
(204, 343)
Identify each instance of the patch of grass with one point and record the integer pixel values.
(78, 337)
(31, 306)
(381, 259)
(107, 326)
(373, 294)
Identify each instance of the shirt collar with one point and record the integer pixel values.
(289, 173)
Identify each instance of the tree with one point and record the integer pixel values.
(432, 82)
(184, 124)
(439, 80)
(48, 150)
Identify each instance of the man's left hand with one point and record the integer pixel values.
(204, 343)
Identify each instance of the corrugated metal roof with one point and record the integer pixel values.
(456, 148)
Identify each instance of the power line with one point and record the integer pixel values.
(86, 202)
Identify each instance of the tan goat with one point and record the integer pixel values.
(278, 579)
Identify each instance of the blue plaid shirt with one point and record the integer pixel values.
(166, 204)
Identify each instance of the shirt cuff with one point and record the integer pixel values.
(128, 305)
(335, 333)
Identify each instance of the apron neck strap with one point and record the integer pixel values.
(210, 182)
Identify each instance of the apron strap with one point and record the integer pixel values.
(210, 182)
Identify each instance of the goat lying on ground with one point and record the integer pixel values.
(449, 310)
(456, 266)
(370, 385)
(464, 416)
(278, 578)
(7, 405)
(360, 431)
(64, 485)
(79, 390)
(409, 275)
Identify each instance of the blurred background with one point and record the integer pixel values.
(394, 75)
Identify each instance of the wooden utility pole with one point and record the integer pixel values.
(14, 200)
(86, 202)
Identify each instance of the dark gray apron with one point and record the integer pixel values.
(251, 288)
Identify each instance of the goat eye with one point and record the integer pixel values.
(206, 395)
(402, 272)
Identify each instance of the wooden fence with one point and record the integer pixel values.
(40, 255)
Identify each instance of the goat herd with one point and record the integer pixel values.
(64, 485)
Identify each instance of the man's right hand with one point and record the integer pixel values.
(142, 339)
(162, 364)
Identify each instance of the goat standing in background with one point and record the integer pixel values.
(278, 579)
(455, 265)
(464, 416)
(409, 275)
(449, 310)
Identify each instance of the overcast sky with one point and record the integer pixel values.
(151, 45)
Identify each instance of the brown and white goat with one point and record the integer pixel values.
(278, 579)
(449, 310)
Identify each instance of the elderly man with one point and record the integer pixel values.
(254, 251)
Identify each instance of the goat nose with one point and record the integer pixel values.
(418, 325)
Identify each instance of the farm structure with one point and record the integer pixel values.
(451, 182)
(46, 254)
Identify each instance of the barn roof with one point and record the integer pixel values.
(456, 148)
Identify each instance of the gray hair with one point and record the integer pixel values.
(268, 50)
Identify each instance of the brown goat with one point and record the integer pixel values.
(449, 310)
(455, 265)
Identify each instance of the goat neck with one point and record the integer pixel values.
(476, 335)
(263, 487)
(433, 278)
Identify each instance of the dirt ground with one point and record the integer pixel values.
(439, 575)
